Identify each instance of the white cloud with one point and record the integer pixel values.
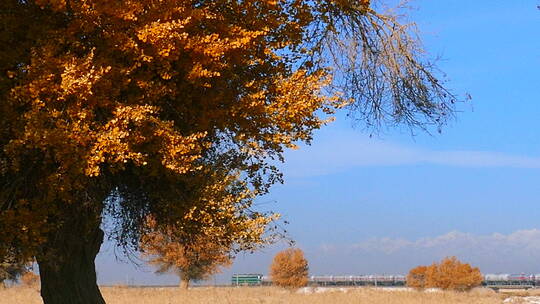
(507, 253)
(455, 242)
(349, 149)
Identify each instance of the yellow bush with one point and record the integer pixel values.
(449, 274)
(289, 269)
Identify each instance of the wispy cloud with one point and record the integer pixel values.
(455, 243)
(514, 252)
(349, 149)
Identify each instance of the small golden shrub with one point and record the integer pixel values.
(449, 274)
(289, 269)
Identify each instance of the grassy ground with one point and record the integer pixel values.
(118, 295)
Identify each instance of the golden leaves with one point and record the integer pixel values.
(134, 126)
(80, 76)
(165, 37)
(293, 115)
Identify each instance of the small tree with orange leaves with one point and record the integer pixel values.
(195, 259)
(449, 274)
(289, 269)
(219, 224)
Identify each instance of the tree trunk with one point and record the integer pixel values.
(184, 283)
(67, 266)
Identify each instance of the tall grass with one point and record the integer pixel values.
(119, 295)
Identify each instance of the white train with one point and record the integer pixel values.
(361, 280)
(351, 280)
(491, 280)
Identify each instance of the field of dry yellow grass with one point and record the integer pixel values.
(119, 295)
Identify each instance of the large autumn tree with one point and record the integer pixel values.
(120, 107)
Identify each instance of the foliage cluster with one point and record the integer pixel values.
(289, 269)
(449, 274)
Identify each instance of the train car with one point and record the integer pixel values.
(363, 280)
(249, 279)
(522, 279)
(511, 280)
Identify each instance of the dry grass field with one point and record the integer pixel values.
(119, 295)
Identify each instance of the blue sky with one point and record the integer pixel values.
(385, 204)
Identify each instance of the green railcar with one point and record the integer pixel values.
(246, 279)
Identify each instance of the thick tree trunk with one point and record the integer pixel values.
(67, 268)
(184, 284)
